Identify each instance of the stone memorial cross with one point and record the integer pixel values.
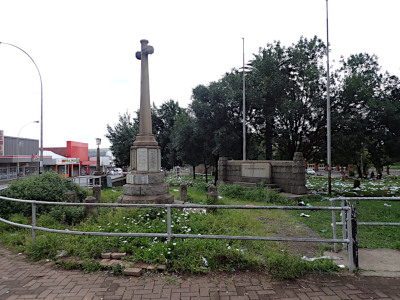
(145, 135)
(145, 181)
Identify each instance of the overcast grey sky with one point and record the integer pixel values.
(85, 51)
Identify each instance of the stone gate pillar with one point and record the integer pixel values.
(298, 185)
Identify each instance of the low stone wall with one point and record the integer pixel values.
(288, 175)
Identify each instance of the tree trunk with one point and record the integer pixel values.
(359, 171)
(216, 158)
(268, 141)
(206, 169)
(194, 172)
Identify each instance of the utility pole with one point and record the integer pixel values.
(328, 107)
(244, 109)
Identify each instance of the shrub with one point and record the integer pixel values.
(283, 265)
(232, 190)
(259, 194)
(48, 186)
(45, 247)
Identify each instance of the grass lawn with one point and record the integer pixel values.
(367, 211)
(181, 255)
(280, 259)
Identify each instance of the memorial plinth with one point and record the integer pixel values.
(145, 181)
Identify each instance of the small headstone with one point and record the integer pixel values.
(212, 192)
(91, 210)
(356, 183)
(109, 182)
(70, 196)
(183, 192)
(97, 192)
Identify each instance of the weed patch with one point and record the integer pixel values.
(181, 255)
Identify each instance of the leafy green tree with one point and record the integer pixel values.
(163, 123)
(122, 137)
(355, 118)
(286, 95)
(219, 127)
(186, 141)
(383, 125)
(390, 116)
(299, 115)
(265, 87)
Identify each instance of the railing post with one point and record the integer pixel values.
(33, 223)
(168, 223)
(334, 225)
(350, 238)
(343, 213)
(354, 234)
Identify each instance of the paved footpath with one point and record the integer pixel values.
(20, 279)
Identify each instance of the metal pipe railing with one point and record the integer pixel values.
(346, 224)
(343, 199)
(169, 235)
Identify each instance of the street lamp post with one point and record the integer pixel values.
(41, 104)
(18, 143)
(328, 108)
(98, 142)
(244, 109)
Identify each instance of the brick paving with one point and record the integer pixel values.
(20, 279)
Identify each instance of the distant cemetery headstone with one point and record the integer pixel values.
(70, 196)
(183, 192)
(97, 192)
(109, 181)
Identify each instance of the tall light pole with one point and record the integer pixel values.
(41, 104)
(244, 109)
(98, 171)
(18, 143)
(328, 107)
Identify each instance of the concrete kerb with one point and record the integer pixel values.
(373, 262)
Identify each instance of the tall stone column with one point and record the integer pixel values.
(145, 181)
(145, 136)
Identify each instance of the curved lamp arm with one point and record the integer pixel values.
(41, 102)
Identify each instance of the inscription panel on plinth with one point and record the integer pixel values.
(153, 160)
(141, 164)
(133, 159)
(137, 179)
(141, 179)
(130, 178)
(260, 170)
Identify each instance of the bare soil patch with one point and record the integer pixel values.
(291, 227)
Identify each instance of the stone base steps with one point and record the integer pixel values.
(252, 185)
(275, 188)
